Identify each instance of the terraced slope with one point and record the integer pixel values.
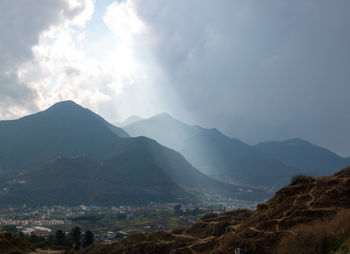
(281, 225)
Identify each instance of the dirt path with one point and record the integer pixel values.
(41, 251)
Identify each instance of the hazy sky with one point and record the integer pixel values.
(257, 70)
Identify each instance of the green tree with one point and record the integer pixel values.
(75, 235)
(177, 209)
(34, 239)
(9, 228)
(60, 237)
(195, 211)
(88, 238)
(121, 216)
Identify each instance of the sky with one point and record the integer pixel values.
(256, 70)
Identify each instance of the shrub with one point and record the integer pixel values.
(344, 172)
(237, 212)
(301, 179)
(209, 216)
(323, 237)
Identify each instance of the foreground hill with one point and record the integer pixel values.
(214, 153)
(11, 243)
(311, 215)
(134, 170)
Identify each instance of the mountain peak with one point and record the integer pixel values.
(296, 142)
(131, 119)
(65, 105)
(163, 115)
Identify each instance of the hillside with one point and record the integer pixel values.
(81, 180)
(65, 129)
(183, 173)
(11, 243)
(164, 128)
(130, 120)
(268, 164)
(135, 170)
(304, 155)
(212, 152)
(139, 173)
(232, 160)
(311, 215)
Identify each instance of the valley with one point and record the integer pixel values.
(66, 169)
(174, 127)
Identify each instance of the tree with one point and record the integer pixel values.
(88, 238)
(196, 211)
(60, 237)
(177, 209)
(9, 228)
(75, 235)
(121, 216)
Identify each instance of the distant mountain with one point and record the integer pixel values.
(182, 172)
(214, 153)
(304, 155)
(231, 159)
(132, 169)
(225, 158)
(65, 129)
(130, 120)
(81, 180)
(165, 129)
(139, 173)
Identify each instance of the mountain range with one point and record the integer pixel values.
(69, 155)
(90, 160)
(269, 164)
(304, 155)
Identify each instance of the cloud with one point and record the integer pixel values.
(104, 66)
(21, 26)
(256, 70)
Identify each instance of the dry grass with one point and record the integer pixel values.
(323, 237)
(301, 179)
(344, 172)
(11, 243)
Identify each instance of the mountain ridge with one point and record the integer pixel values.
(69, 130)
(230, 159)
(304, 155)
(211, 151)
(64, 129)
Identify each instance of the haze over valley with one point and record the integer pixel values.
(173, 127)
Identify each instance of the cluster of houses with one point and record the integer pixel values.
(110, 236)
(38, 231)
(51, 222)
(44, 232)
